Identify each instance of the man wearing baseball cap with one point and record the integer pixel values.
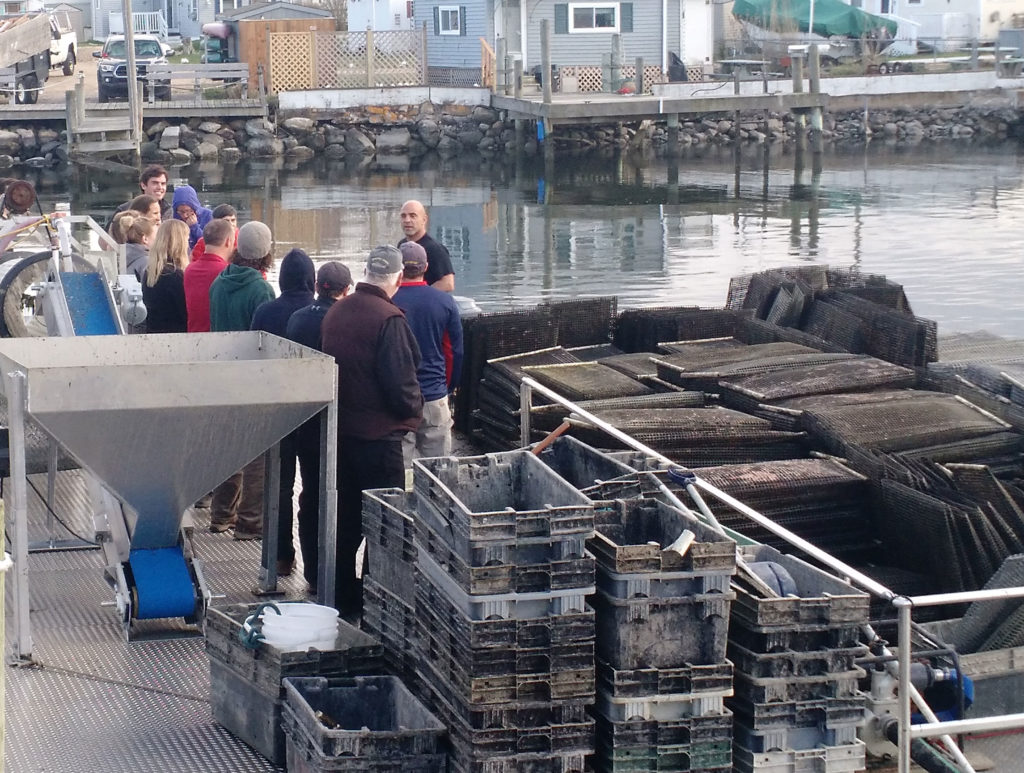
(379, 401)
(433, 316)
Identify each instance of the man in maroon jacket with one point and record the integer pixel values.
(379, 400)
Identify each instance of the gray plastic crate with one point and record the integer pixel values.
(827, 759)
(582, 465)
(502, 605)
(369, 723)
(508, 496)
(246, 690)
(694, 744)
(662, 632)
(632, 536)
(390, 531)
(821, 600)
(782, 738)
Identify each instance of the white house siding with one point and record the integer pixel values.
(996, 14)
(456, 51)
(587, 48)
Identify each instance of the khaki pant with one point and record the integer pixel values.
(239, 499)
(434, 436)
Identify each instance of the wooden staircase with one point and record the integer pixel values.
(104, 132)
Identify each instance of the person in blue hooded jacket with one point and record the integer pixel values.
(297, 279)
(187, 208)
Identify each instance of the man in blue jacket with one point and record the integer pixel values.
(434, 318)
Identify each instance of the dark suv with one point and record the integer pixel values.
(112, 72)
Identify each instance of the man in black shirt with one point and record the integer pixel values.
(440, 273)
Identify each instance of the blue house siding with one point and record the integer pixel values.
(456, 51)
(587, 48)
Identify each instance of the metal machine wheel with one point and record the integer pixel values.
(17, 275)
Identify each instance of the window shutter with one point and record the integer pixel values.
(462, 20)
(625, 17)
(561, 18)
(437, 21)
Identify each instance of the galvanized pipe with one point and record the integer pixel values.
(528, 386)
(21, 651)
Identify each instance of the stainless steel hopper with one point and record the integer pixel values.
(162, 419)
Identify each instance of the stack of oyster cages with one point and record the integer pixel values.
(795, 653)
(662, 606)
(505, 639)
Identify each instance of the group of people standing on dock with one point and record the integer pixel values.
(396, 336)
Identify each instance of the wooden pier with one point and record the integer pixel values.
(597, 108)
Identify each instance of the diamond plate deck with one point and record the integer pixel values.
(98, 703)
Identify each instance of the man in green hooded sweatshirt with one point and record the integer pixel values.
(234, 295)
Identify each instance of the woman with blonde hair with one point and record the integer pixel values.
(136, 233)
(163, 288)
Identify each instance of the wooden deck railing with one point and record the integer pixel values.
(488, 65)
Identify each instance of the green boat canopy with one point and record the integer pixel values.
(831, 17)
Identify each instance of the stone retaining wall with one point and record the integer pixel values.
(449, 130)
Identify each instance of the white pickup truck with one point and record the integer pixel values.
(63, 43)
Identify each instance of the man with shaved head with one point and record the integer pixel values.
(440, 273)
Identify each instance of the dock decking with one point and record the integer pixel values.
(220, 109)
(598, 108)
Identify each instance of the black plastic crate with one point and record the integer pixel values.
(791, 663)
(361, 724)
(641, 682)
(806, 638)
(633, 537)
(662, 632)
(824, 712)
(246, 690)
(841, 684)
(495, 577)
(465, 633)
(821, 600)
(510, 496)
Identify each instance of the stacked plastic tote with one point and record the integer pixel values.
(796, 701)
(662, 605)
(502, 640)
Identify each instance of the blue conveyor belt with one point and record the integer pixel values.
(162, 582)
(91, 312)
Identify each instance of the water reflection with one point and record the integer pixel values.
(942, 219)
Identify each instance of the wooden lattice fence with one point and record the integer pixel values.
(346, 60)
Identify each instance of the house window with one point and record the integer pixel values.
(408, 9)
(593, 18)
(449, 20)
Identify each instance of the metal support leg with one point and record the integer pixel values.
(21, 641)
(271, 515)
(328, 521)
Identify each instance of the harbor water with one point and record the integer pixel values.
(945, 220)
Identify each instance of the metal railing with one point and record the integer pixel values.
(908, 693)
(143, 23)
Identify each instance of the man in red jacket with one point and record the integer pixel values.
(379, 401)
(219, 236)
